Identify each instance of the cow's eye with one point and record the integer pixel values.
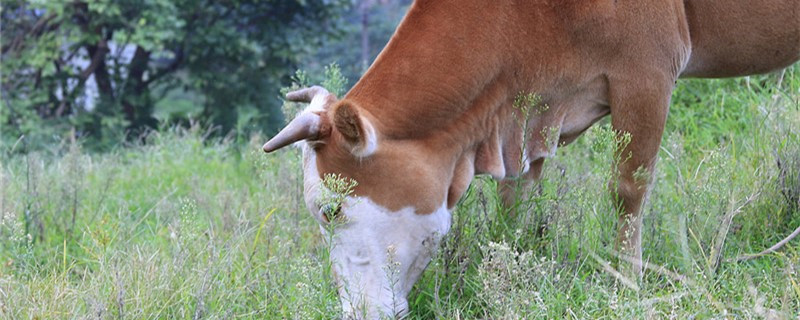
(330, 211)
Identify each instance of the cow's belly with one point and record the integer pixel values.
(567, 118)
(585, 115)
(741, 37)
(583, 109)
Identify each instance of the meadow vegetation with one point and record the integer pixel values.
(184, 224)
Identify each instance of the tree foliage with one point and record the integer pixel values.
(366, 28)
(103, 67)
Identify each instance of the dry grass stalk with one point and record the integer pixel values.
(616, 274)
(771, 249)
(722, 232)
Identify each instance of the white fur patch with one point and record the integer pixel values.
(317, 103)
(377, 254)
(526, 161)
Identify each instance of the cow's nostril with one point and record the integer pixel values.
(331, 211)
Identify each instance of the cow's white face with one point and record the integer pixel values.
(377, 254)
(384, 234)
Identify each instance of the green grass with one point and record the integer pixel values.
(186, 227)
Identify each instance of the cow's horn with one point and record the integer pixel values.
(304, 126)
(307, 124)
(307, 94)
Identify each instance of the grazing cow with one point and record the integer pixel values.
(435, 109)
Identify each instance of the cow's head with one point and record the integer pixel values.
(387, 229)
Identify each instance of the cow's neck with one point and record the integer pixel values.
(429, 73)
(447, 84)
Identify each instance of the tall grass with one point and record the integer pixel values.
(188, 227)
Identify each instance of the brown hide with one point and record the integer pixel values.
(440, 94)
(752, 37)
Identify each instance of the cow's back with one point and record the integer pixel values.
(741, 37)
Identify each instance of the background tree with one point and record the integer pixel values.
(366, 28)
(112, 68)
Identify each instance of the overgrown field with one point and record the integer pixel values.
(186, 227)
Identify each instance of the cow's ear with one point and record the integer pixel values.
(357, 132)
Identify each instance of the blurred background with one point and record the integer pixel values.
(109, 71)
(133, 185)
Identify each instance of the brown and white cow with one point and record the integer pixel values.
(435, 109)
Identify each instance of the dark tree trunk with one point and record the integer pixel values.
(105, 89)
(98, 67)
(136, 104)
(97, 53)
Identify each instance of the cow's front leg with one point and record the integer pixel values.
(514, 192)
(638, 108)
